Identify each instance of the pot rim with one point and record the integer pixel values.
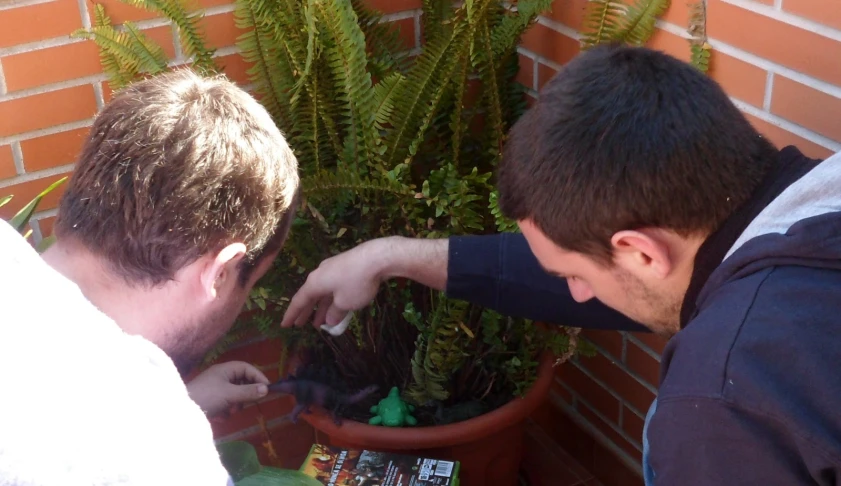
(414, 438)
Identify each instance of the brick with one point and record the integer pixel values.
(235, 68)
(163, 37)
(46, 225)
(291, 443)
(653, 341)
(526, 74)
(406, 31)
(619, 381)
(671, 44)
(678, 13)
(798, 49)
(633, 425)
(805, 106)
(22, 25)
(392, 6)
(213, 3)
(543, 460)
(739, 79)
(610, 433)
(51, 65)
(561, 391)
(568, 12)
(271, 407)
(590, 391)
(119, 12)
(530, 100)
(642, 364)
(782, 138)
(46, 110)
(7, 162)
(822, 11)
(550, 44)
(610, 341)
(261, 353)
(220, 30)
(544, 74)
(52, 150)
(24, 192)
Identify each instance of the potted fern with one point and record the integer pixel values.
(389, 144)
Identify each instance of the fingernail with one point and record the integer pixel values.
(262, 390)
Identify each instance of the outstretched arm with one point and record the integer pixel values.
(500, 272)
(496, 271)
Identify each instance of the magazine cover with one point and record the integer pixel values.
(335, 466)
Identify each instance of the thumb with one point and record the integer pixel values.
(246, 393)
(335, 315)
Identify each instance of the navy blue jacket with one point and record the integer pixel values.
(750, 392)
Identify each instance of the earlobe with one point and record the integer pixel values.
(644, 251)
(221, 269)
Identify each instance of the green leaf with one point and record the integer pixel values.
(21, 219)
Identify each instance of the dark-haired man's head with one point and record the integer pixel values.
(627, 161)
(184, 192)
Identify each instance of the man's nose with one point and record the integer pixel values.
(579, 290)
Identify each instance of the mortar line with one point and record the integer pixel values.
(51, 130)
(769, 87)
(17, 156)
(32, 176)
(10, 4)
(2, 81)
(598, 435)
(83, 12)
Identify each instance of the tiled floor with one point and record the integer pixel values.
(546, 464)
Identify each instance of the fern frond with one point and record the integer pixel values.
(638, 22)
(457, 122)
(345, 179)
(270, 76)
(189, 30)
(428, 83)
(602, 20)
(701, 50)
(506, 35)
(348, 61)
(435, 14)
(125, 55)
(384, 99)
(386, 52)
(484, 61)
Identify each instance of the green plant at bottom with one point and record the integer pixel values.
(21, 219)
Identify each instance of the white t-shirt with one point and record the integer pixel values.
(82, 402)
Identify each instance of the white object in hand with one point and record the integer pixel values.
(339, 328)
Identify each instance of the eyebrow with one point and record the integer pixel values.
(552, 272)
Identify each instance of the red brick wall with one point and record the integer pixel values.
(778, 59)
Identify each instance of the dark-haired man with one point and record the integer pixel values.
(183, 194)
(645, 196)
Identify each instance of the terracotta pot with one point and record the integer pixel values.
(489, 447)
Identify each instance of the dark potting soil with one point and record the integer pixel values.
(326, 371)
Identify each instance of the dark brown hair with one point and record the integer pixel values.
(624, 138)
(175, 167)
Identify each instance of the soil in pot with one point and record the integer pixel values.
(489, 447)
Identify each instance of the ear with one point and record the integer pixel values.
(643, 251)
(221, 270)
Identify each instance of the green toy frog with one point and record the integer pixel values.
(392, 411)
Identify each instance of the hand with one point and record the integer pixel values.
(343, 283)
(223, 385)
